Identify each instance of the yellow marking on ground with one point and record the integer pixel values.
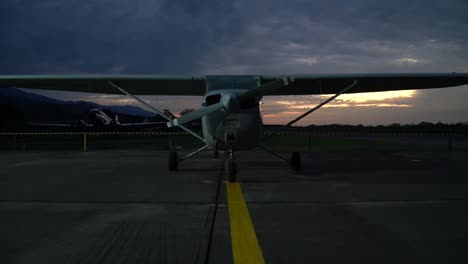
(245, 247)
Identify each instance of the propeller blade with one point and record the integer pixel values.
(264, 89)
(189, 117)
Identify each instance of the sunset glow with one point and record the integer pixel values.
(363, 108)
(378, 96)
(283, 109)
(378, 99)
(293, 105)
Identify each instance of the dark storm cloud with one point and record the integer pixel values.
(108, 36)
(349, 37)
(237, 37)
(231, 37)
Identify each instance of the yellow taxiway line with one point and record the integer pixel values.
(245, 247)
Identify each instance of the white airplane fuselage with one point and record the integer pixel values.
(246, 123)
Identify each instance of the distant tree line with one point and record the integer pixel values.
(423, 127)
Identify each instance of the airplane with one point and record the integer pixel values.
(100, 120)
(103, 120)
(230, 113)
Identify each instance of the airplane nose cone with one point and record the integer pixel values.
(247, 126)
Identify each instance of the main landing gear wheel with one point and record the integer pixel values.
(216, 152)
(173, 160)
(295, 162)
(231, 170)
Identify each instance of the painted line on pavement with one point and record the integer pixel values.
(245, 247)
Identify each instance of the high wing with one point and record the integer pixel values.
(134, 84)
(195, 85)
(334, 83)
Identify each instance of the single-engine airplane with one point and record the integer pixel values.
(98, 119)
(101, 119)
(230, 113)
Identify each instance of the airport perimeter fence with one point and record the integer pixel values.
(287, 141)
(85, 141)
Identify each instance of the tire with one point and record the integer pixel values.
(295, 162)
(231, 170)
(173, 160)
(216, 152)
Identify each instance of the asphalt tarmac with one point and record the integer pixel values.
(124, 206)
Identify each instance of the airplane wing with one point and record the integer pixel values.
(334, 83)
(195, 85)
(134, 84)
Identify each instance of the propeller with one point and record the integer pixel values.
(232, 103)
(265, 88)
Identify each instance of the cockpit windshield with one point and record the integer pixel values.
(213, 99)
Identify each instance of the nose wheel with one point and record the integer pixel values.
(231, 170)
(216, 147)
(230, 166)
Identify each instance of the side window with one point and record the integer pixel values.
(213, 99)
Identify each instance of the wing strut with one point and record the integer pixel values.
(154, 110)
(194, 153)
(272, 152)
(355, 82)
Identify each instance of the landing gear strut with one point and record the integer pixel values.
(230, 138)
(174, 158)
(230, 166)
(216, 147)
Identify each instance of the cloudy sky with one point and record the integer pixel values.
(249, 37)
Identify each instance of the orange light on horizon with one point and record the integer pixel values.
(283, 109)
(342, 105)
(378, 96)
(377, 99)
